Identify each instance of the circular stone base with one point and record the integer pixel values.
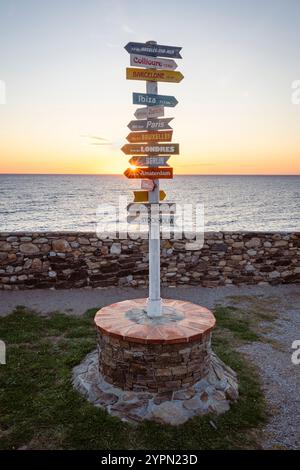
(156, 355)
(211, 394)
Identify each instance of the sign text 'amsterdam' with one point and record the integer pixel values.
(151, 173)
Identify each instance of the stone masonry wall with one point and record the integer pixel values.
(65, 260)
(153, 367)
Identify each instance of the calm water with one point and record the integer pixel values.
(51, 202)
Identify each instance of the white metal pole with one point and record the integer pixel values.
(154, 300)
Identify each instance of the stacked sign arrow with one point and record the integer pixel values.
(152, 63)
(148, 131)
(148, 99)
(150, 124)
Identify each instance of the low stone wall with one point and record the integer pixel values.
(162, 354)
(153, 367)
(65, 260)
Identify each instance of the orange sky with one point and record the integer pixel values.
(235, 113)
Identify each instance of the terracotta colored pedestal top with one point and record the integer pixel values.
(184, 322)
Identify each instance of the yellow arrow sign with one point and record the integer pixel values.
(153, 75)
(143, 196)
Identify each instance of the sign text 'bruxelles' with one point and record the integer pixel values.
(156, 136)
(153, 50)
(154, 149)
(150, 99)
(154, 75)
(150, 124)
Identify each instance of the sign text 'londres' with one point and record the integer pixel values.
(151, 149)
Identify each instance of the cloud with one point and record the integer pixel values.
(99, 140)
(127, 29)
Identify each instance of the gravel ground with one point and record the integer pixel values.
(280, 377)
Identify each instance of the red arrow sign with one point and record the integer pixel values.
(151, 173)
(158, 136)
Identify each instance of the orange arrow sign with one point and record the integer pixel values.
(143, 196)
(151, 173)
(154, 75)
(158, 136)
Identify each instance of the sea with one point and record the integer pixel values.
(70, 202)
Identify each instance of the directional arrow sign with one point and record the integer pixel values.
(137, 60)
(154, 75)
(149, 185)
(143, 196)
(151, 112)
(151, 173)
(149, 99)
(152, 149)
(150, 124)
(153, 50)
(156, 136)
(149, 161)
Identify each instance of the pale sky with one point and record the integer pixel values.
(63, 63)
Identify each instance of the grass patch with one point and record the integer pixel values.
(41, 410)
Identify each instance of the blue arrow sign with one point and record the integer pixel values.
(153, 50)
(148, 99)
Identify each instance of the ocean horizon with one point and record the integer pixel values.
(64, 202)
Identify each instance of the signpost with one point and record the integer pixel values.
(149, 161)
(152, 49)
(150, 124)
(154, 100)
(143, 196)
(151, 112)
(151, 173)
(154, 75)
(151, 149)
(137, 60)
(156, 136)
(151, 166)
